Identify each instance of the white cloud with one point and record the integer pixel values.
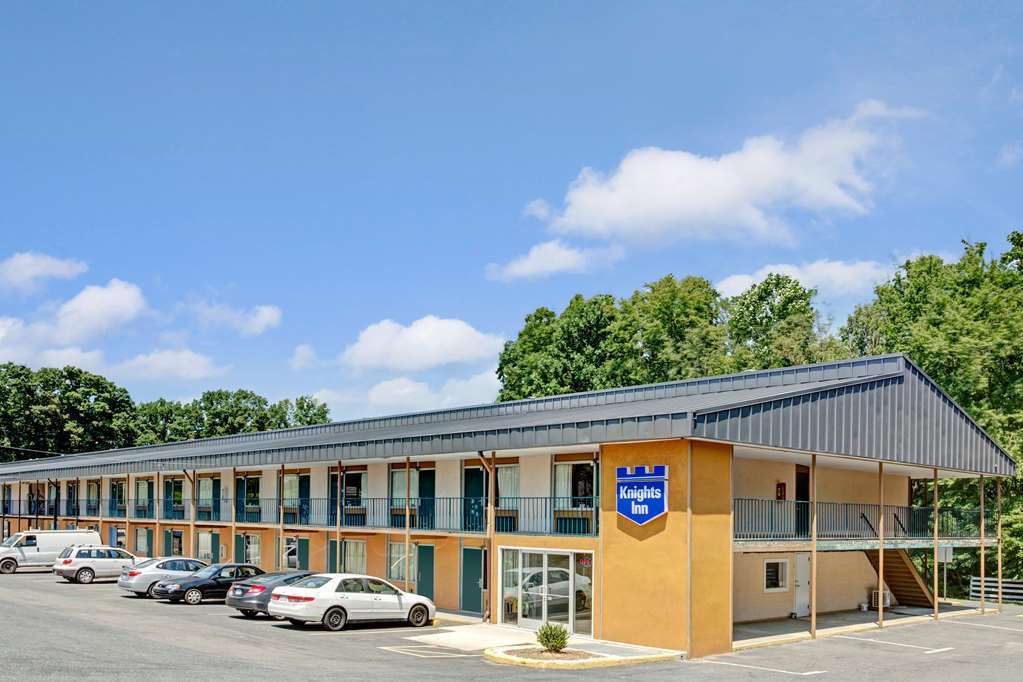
(551, 258)
(428, 342)
(661, 193)
(91, 360)
(303, 357)
(251, 322)
(403, 394)
(97, 309)
(168, 364)
(1009, 154)
(25, 270)
(831, 278)
(537, 208)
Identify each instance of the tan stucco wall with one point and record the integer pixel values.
(844, 579)
(642, 594)
(758, 477)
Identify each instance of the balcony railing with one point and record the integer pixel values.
(765, 519)
(521, 515)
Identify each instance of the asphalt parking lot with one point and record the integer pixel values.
(52, 629)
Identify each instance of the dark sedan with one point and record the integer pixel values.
(212, 582)
(252, 596)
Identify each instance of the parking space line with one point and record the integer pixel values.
(427, 651)
(926, 649)
(760, 667)
(983, 625)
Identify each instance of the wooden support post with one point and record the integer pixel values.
(490, 467)
(408, 519)
(193, 540)
(280, 519)
(880, 545)
(127, 514)
(340, 510)
(998, 495)
(813, 546)
(234, 514)
(157, 513)
(937, 522)
(983, 556)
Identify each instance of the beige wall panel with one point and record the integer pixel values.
(535, 476)
(758, 478)
(711, 560)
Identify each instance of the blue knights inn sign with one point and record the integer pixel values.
(642, 494)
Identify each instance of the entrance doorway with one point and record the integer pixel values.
(801, 605)
(424, 567)
(472, 580)
(539, 586)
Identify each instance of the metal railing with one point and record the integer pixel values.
(213, 509)
(262, 510)
(142, 509)
(116, 509)
(765, 519)
(547, 515)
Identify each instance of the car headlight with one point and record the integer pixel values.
(175, 586)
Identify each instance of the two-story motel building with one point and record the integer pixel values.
(779, 488)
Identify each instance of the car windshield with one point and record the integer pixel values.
(208, 572)
(313, 582)
(9, 542)
(147, 562)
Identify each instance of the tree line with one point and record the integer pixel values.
(68, 410)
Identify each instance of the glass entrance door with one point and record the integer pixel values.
(532, 588)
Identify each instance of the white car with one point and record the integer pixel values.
(84, 563)
(143, 577)
(334, 599)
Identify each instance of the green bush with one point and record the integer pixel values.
(552, 637)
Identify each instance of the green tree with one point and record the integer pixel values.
(962, 322)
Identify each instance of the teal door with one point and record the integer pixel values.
(424, 562)
(332, 556)
(472, 580)
(474, 511)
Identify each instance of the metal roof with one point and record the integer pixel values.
(879, 408)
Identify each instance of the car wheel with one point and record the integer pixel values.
(335, 619)
(296, 621)
(8, 567)
(418, 616)
(85, 576)
(580, 600)
(193, 597)
(152, 591)
(248, 613)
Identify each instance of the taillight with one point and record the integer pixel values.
(275, 597)
(66, 562)
(132, 574)
(255, 589)
(298, 599)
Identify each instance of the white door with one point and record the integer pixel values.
(802, 604)
(386, 602)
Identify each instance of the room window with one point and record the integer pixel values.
(141, 492)
(574, 484)
(507, 486)
(398, 486)
(355, 484)
(354, 556)
(290, 489)
(396, 560)
(776, 575)
(206, 490)
(177, 543)
(251, 492)
(205, 547)
(252, 549)
(291, 552)
(142, 541)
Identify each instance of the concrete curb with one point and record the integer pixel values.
(505, 656)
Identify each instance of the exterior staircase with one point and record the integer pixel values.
(903, 580)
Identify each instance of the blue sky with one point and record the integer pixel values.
(363, 202)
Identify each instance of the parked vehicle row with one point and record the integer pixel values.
(332, 599)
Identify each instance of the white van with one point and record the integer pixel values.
(33, 548)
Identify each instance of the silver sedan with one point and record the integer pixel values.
(142, 577)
